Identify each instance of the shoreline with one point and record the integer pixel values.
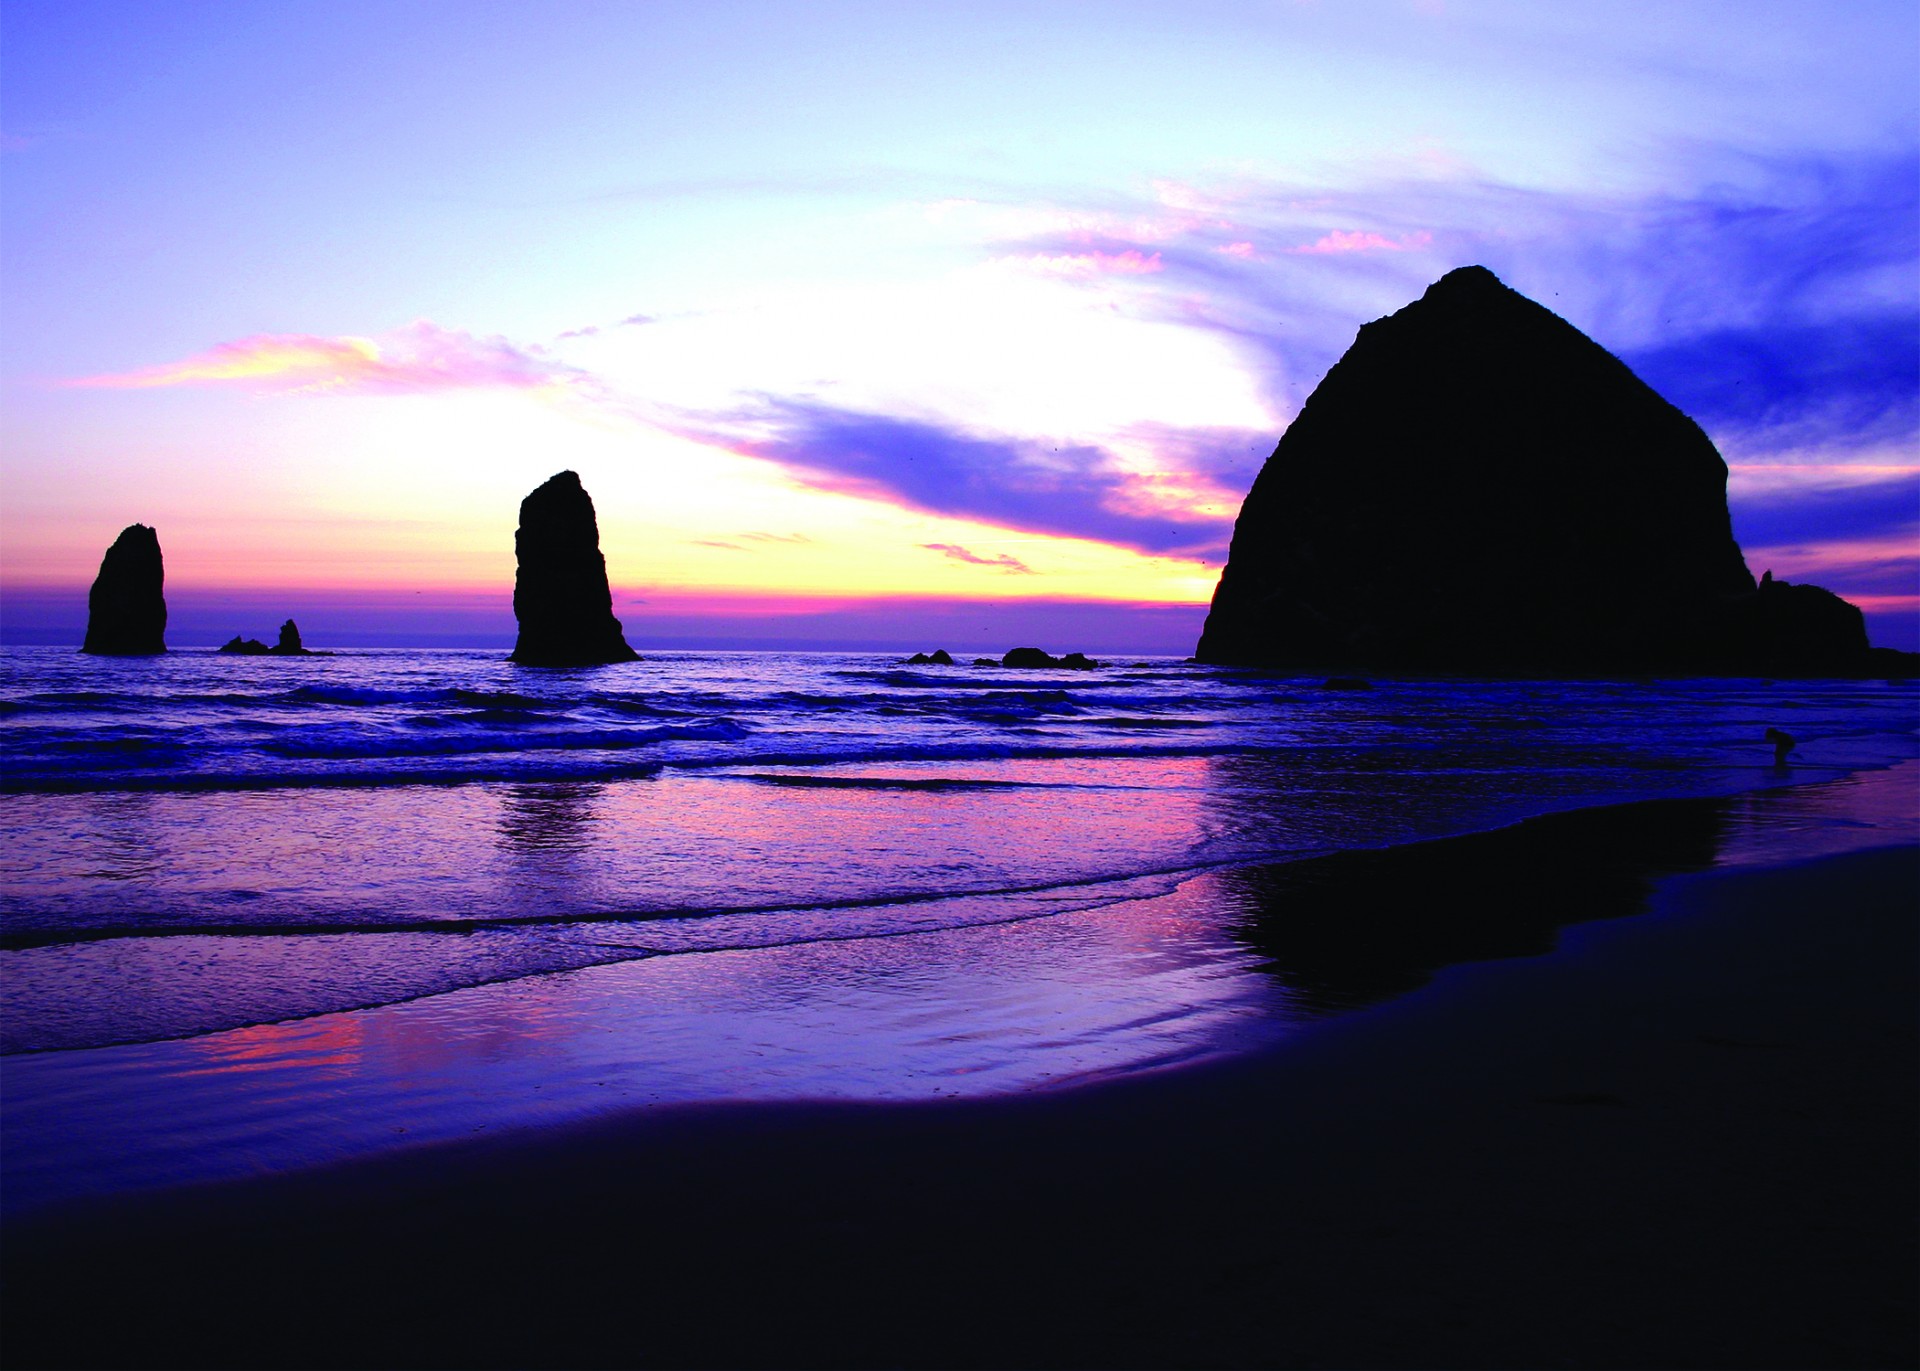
(1704, 1114)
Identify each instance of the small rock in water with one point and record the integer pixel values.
(1034, 657)
(986, 661)
(1029, 656)
(245, 647)
(289, 644)
(937, 658)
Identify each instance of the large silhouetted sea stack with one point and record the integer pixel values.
(1477, 486)
(127, 607)
(560, 593)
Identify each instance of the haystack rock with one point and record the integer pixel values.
(1477, 486)
(560, 593)
(127, 607)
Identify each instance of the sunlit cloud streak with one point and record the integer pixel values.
(423, 357)
(961, 554)
(1075, 490)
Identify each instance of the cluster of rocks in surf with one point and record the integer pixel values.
(288, 646)
(1017, 657)
(1034, 657)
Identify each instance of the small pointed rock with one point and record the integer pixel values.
(289, 644)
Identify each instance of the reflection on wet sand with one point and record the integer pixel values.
(125, 838)
(1357, 927)
(550, 817)
(1354, 928)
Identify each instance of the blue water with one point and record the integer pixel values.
(266, 912)
(384, 800)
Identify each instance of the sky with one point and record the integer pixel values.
(893, 325)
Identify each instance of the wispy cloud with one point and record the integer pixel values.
(1358, 240)
(594, 330)
(1778, 513)
(422, 357)
(744, 538)
(960, 554)
(1885, 568)
(1075, 490)
(1126, 262)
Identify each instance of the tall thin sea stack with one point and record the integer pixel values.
(560, 592)
(1478, 486)
(127, 606)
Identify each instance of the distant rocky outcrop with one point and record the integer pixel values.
(560, 592)
(1034, 657)
(127, 606)
(1477, 486)
(939, 657)
(288, 646)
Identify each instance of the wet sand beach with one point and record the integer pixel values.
(1682, 1133)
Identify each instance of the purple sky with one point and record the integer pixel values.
(857, 319)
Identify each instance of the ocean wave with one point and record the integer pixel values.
(27, 935)
(345, 744)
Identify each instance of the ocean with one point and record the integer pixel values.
(266, 913)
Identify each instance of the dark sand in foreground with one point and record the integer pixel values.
(1687, 1139)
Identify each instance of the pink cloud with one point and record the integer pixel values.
(1131, 262)
(421, 357)
(1359, 240)
(1241, 250)
(1886, 604)
(961, 554)
(1839, 558)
